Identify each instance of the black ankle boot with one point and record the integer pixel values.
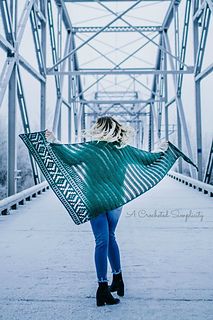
(117, 284)
(103, 295)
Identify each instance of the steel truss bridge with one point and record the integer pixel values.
(73, 80)
(63, 64)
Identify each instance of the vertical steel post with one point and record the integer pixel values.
(83, 123)
(180, 110)
(176, 39)
(70, 95)
(137, 130)
(197, 96)
(166, 115)
(12, 147)
(151, 127)
(59, 51)
(12, 137)
(43, 84)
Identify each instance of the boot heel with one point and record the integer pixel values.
(117, 284)
(100, 302)
(120, 291)
(103, 295)
(100, 298)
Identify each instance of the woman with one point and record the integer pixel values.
(104, 225)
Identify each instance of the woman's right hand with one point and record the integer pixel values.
(164, 145)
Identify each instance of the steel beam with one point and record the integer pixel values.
(28, 67)
(11, 60)
(117, 66)
(12, 146)
(119, 113)
(166, 114)
(181, 110)
(95, 35)
(25, 122)
(170, 14)
(202, 43)
(5, 45)
(184, 44)
(121, 72)
(59, 98)
(197, 98)
(37, 41)
(117, 102)
(118, 29)
(140, 32)
(43, 100)
(65, 15)
(177, 51)
(203, 74)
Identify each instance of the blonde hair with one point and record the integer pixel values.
(110, 130)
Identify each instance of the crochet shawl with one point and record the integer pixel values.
(95, 176)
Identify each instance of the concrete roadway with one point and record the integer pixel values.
(47, 262)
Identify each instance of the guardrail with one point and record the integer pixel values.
(193, 183)
(20, 198)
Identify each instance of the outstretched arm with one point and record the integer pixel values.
(65, 152)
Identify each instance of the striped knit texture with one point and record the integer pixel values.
(92, 177)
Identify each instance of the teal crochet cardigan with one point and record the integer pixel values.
(92, 177)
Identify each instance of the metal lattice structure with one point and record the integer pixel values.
(52, 29)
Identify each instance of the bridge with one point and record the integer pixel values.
(63, 63)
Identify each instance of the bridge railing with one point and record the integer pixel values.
(20, 198)
(193, 183)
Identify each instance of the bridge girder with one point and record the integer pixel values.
(66, 69)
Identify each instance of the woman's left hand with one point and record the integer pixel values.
(50, 136)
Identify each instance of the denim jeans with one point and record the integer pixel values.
(103, 227)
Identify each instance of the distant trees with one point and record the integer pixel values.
(26, 180)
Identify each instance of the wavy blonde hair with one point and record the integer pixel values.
(110, 130)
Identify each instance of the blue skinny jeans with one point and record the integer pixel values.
(103, 227)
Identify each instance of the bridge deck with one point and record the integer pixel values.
(48, 272)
